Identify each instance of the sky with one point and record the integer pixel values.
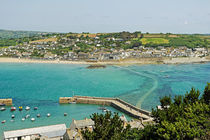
(153, 16)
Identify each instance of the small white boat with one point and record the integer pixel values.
(2, 108)
(13, 116)
(48, 115)
(27, 108)
(38, 115)
(102, 108)
(65, 114)
(12, 120)
(3, 121)
(72, 102)
(33, 119)
(23, 119)
(106, 110)
(27, 116)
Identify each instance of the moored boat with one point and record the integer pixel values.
(102, 108)
(65, 114)
(33, 119)
(23, 119)
(2, 108)
(3, 121)
(72, 102)
(48, 114)
(27, 108)
(35, 108)
(38, 115)
(13, 116)
(1, 104)
(27, 116)
(13, 108)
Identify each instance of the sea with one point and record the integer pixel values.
(41, 85)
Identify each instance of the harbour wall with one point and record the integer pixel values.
(117, 103)
(6, 101)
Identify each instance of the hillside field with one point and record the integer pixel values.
(154, 41)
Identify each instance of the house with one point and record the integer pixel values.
(82, 55)
(51, 132)
(74, 132)
(81, 124)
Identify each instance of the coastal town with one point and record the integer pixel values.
(101, 47)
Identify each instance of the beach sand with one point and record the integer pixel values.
(130, 61)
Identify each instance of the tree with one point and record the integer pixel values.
(187, 117)
(206, 95)
(107, 126)
(165, 101)
(125, 35)
(192, 96)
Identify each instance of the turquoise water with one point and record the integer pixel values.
(42, 84)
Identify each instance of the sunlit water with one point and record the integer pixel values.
(41, 85)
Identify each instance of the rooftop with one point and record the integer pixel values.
(49, 131)
(83, 123)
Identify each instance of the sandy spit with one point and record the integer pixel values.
(180, 60)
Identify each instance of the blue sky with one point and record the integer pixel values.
(175, 16)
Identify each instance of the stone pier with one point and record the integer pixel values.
(6, 101)
(117, 103)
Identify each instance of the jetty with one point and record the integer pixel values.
(117, 103)
(7, 102)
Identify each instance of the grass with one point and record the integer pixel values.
(154, 41)
(45, 40)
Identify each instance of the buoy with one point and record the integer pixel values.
(38, 115)
(35, 108)
(13, 116)
(65, 114)
(3, 121)
(48, 115)
(32, 119)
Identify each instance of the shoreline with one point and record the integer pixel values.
(131, 61)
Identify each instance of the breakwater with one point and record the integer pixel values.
(117, 103)
(6, 101)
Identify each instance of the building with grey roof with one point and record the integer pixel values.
(51, 132)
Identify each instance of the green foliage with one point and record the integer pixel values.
(186, 118)
(108, 127)
(8, 34)
(190, 41)
(206, 95)
(165, 101)
(12, 38)
(83, 47)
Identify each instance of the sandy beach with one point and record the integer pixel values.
(131, 61)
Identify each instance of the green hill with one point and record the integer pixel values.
(8, 34)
